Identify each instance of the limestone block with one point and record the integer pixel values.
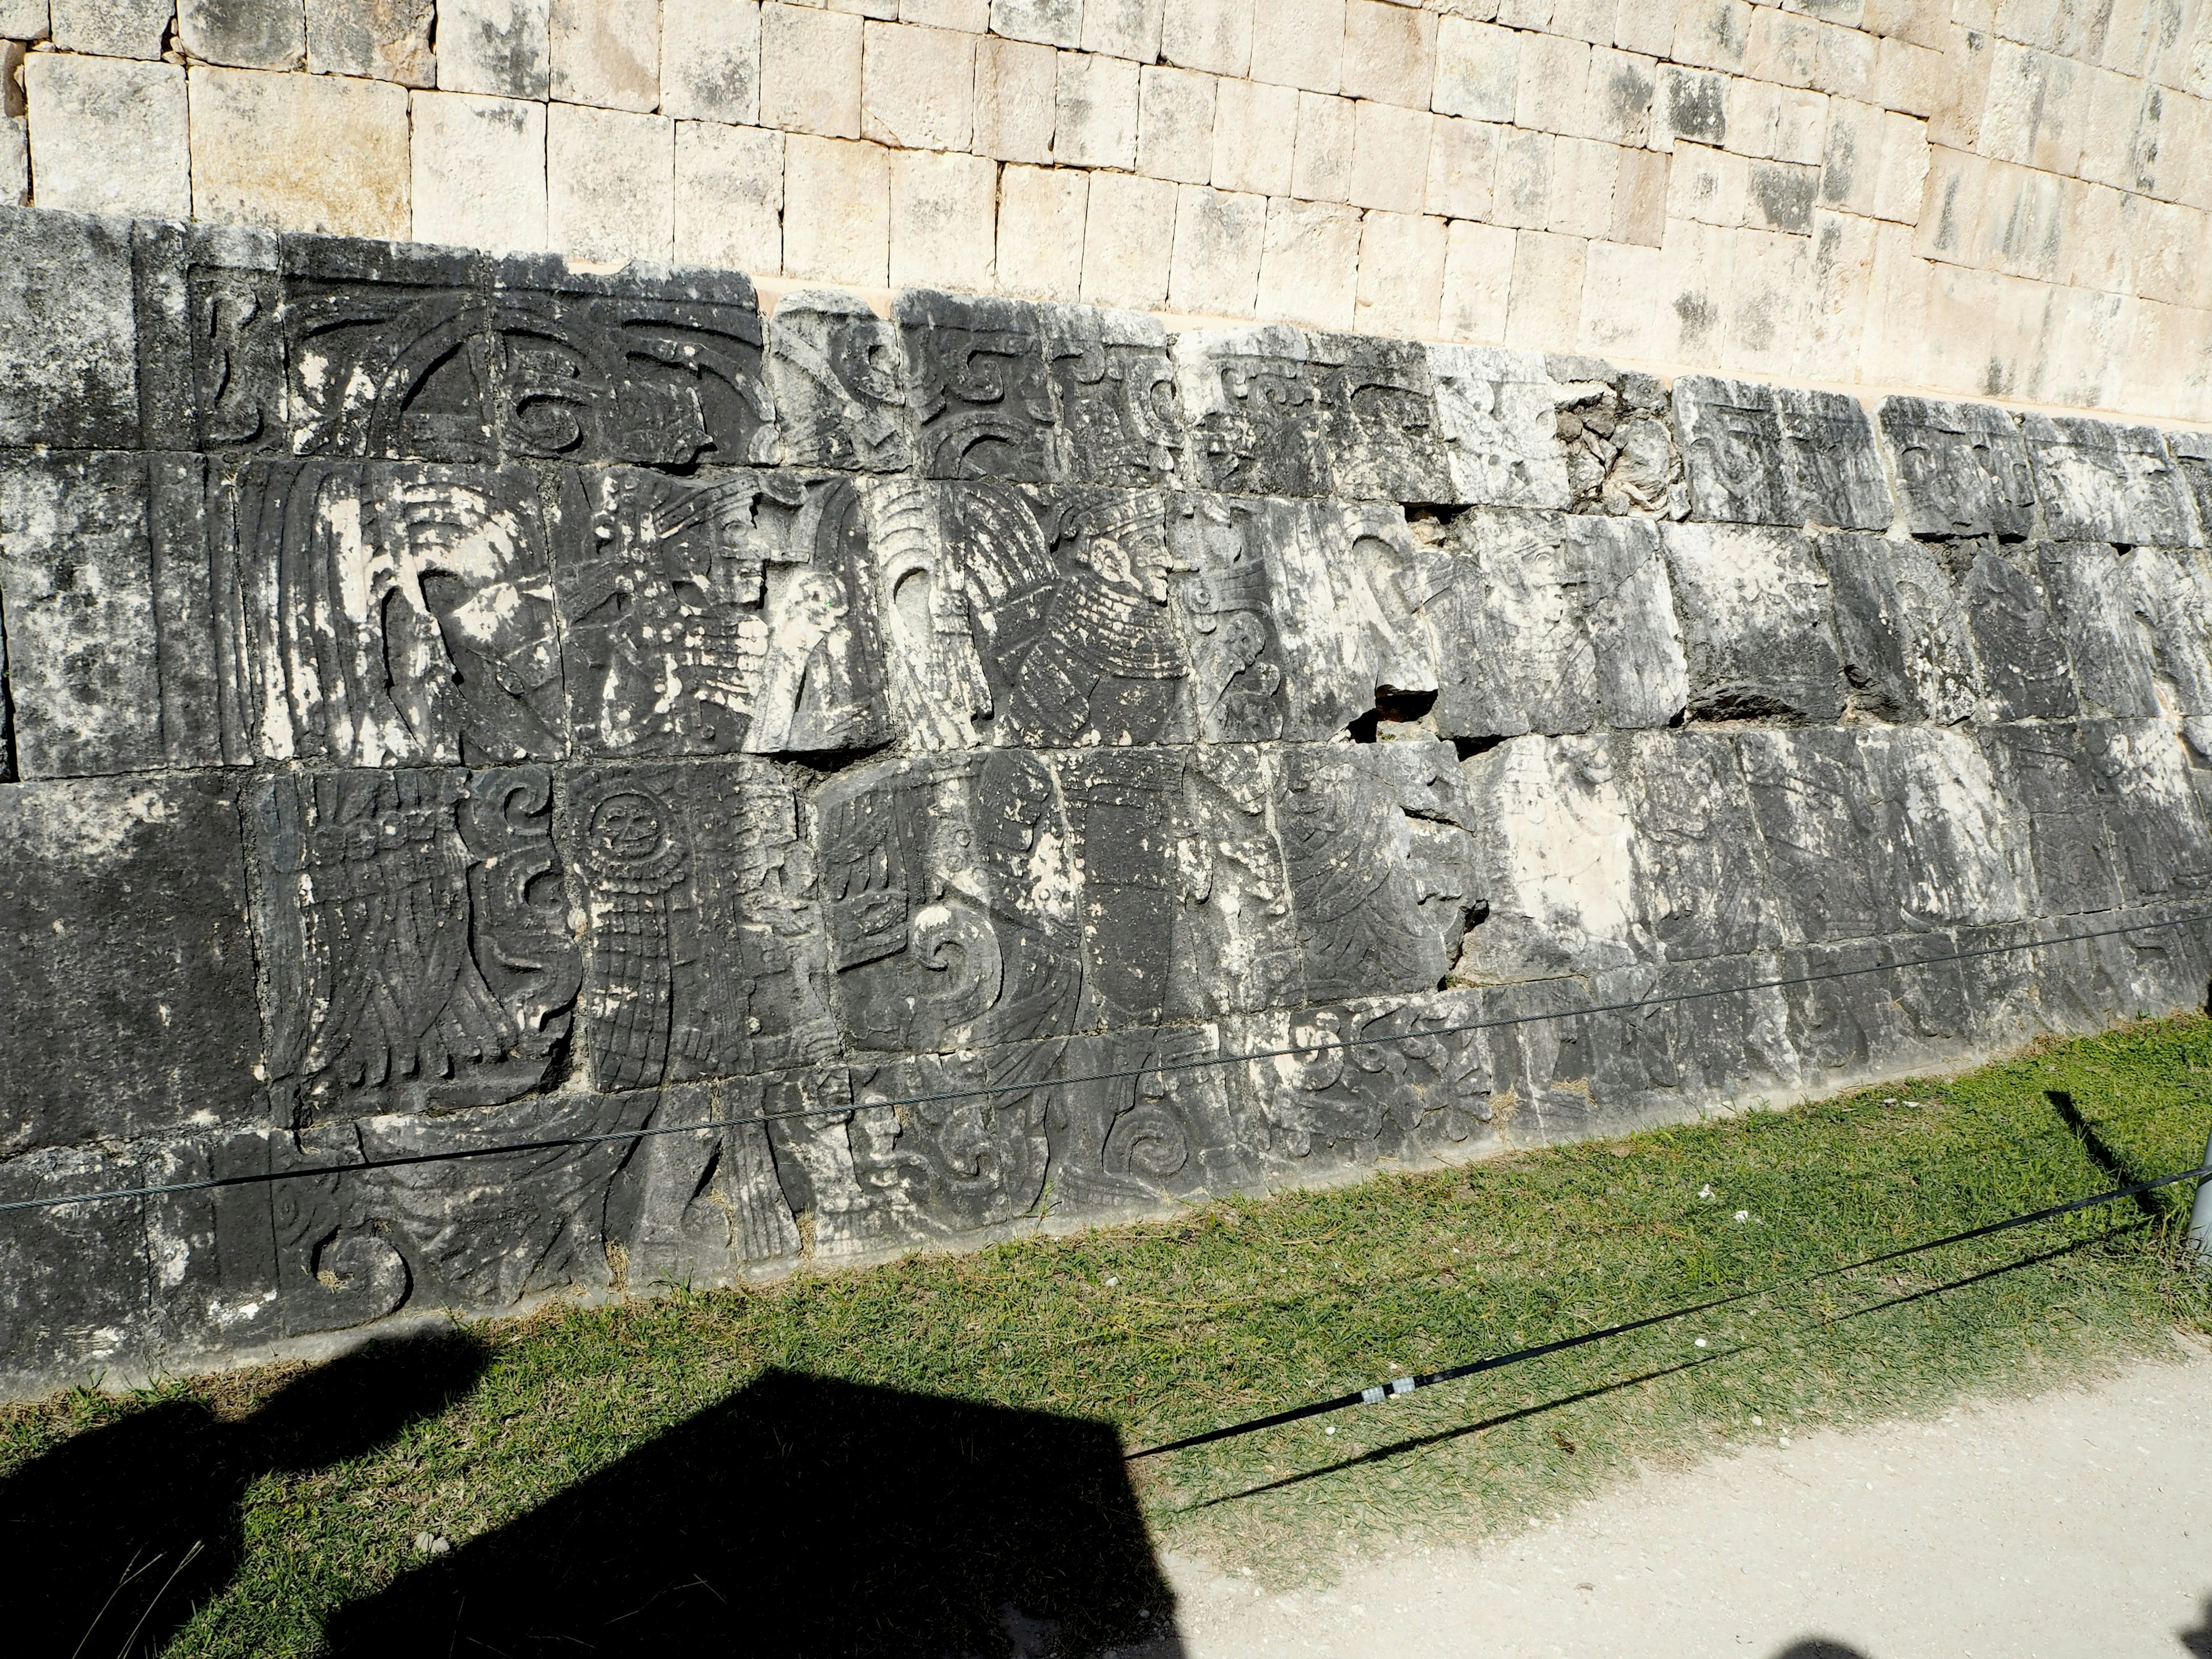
(1553, 85)
(497, 46)
(1254, 134)
(917, 86)
(1040, 216)
(1908, 77)
(1946, 853)
(1583, 177)
(1713, 33)
(970, 17)
(839, 377)
(2151, 807)
(943, 229)
(1497, 411)
(1299, 43)
(1962, 468)
(381, 40)
(2100, 482)
(1553, 845)
(1817, 827)
(1478, 280)
(104, 29)
(1017, 90)
(346, 171)
(1114, 394)
(109, 135)
(1123, 28)
(1548, 285)
(24, 20)
(479, 171)
(1700, 885)
(2191, 453)
(1214, 35)
(1758, 454)
(1478, 70)
(1462, 167)
(15, 161)
(1618, 98)
(982, 404)
(810, 72)
(2025, 671)
(837, 211)
(1401, 274)
(729, 196)
(1175, 129)
(610, 184)
(2042, 772)
(1219, 237)
(1308, 269)
(2173, 587)
(1128, 241)
(1390, 157)
(1321, 166)
(1710, 186)
(2102, 617)
(1639, 199)
(1051, 22)
(710, 60)
(1691, 104)
(2035, 111)
(1096, 115)
(1908, 654)
(1755, 623)
(133, 992)
(1522, 198)
(1389, 53)
(262, 34)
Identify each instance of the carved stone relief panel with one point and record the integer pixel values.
(703, 1205)
(2104, 615)
(1817, 829)
(211, 338)
(2042, 772)
(1115, 390)
(1258, 410)
(1908, 654)
(1777, 455)
(1226, 607)
(1235, 942)
(2191, 455)
(1497, 414)
(2100, 482)
(2025, 671)
(982, 404)
(393, 614)
(414, 936)
(718, 613)
(1947, 851)
(1381, 429)
(705, 954)
(1962, 468)
(839, 377)
(1701, 883)
(2156, 818)
(1755, 622)
(1518, 656)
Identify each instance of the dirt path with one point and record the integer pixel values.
(2076, 1524)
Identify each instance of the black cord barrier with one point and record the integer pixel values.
(1401, 1385)
(505, 1149)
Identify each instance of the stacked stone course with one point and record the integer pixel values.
(1983, 198)
(458, 702)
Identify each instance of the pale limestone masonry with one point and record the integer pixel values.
(2006, 198)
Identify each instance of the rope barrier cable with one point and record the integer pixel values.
(1199, 1062)
(1404, 1385)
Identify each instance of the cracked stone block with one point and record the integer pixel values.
(125, 961)
(1963, 468)
(2043, 771)
(2152, 808)
(1908, 654)
(838, 375)
(1381, 426)
(1945, 851)
(1759, 454)
(1701, 887)
(724, 613)
(1114, 385)
(705, 1206)
(1554, 834)
(2099, 601)
(2026, 672)
(983, 405)
(1817, 827)
(2103, 483)
(1755, 623)
(68, 339)
(705, 953)
(1497, 413)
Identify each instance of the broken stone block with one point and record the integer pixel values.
(719, 614)
(1114, 389)
(839, 379)
(982, 406)
(1946, 851)
(125, 961)
(1755, 623)
(1908, 654)
(68, 341)
(1817, 827)
(2043, 771)
(2099, 601)
(2102, 483)
(2025, 673)
(705, 954)
(1962, 467)
(1613, 424)
(2152, 808)
(1497, 414)
(1701, 887)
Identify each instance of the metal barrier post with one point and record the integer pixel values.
(2200, 1217)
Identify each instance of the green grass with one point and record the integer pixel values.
(1241, 1308)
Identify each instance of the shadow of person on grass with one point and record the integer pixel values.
(808, 1517)
(113, 1537)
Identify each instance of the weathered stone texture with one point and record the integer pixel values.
(984, 767)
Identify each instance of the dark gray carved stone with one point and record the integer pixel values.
(1856, 1013)
(2043, 773)
(1701, 885)
(1818, 827)
(2191, 455)
(1553, 837)
(1236, 943)
(2102, 483)
(2094, 591)
(838, 375)
(718, 613)
(1613, 424)
(125, 964)
(1947, 851)
(1381, 433)
(1114, 388)
(706, 1205)
(1829, 455)
(393, 614)
(1497, 413)
(932, 680)
(1258, 409)
(1908, 654)
(2173, 593)
(1759, 454)
(2026, 672)
(1756, 627)
(1962, 468)
(211, 337)
(69, 373)
(413, 932)
(704, 951)
(2152, 808)
(1226, 608)
(77, 1274)
(975, 381)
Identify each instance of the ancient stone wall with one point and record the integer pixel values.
(1986, 197)
(463, 705)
